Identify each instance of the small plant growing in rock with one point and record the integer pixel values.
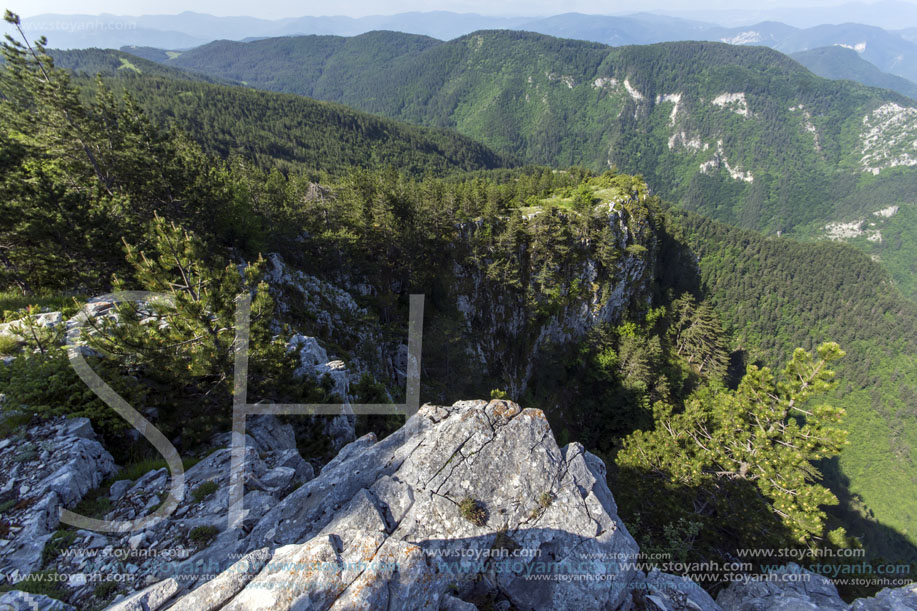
(498, 393)
(59, 541)
(204, 490)
(26, 453)
(202, 535)
(105, 590)
(473, 511)
(545, 500)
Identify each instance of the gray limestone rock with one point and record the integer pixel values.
(383, 523)
(790, 588)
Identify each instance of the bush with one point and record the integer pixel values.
(202, 535)
(204, 490)
(473, 511)
(105, 590)
(42, 583)
(59, 541)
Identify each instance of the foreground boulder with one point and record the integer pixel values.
(473, 502)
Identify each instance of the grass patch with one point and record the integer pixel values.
(126, 64)
(204, 490)
(473, 511)
(11, 302)
(59, 541)
(135, 471)
(96, 503)
(11, 420)
(9, 345)
(105, 590)
(47, 583)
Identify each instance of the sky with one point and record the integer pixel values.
(275, 9)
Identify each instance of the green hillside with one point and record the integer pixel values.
(839, 63)
(774, 294)
(744, 135)
(275, 129)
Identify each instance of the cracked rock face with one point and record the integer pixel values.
(385, 524)
(41, 470)
(272, 468)
(790, 588)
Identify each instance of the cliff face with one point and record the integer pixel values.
(568, 274)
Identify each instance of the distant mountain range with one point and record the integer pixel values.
(842, 63)
(742, 134)
(893, 52)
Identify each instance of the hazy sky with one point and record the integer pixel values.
(273, 9)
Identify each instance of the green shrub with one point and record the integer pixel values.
(105, 590)
(204, 490)
(473, 511)
(95, 504)
(46, 384)
(202, 535)
(43, 583)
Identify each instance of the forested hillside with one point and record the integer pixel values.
(279, 130)
(741, 134)
(775, 294)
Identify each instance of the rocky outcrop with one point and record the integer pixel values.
(790, 588)
(472, 502)
(468, 506)
(42, 469)
(658, 591)
(897, 599)
(506, 329)
(197, 533)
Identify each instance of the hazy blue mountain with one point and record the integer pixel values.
(841, 63)
(638, 29)
(105, 31)
(891, 14)
(889, 51)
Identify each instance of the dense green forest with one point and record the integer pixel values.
(275, 130)
(744, 135)
(95, 195)
(775, 294)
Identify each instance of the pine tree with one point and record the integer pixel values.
(767, 432)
